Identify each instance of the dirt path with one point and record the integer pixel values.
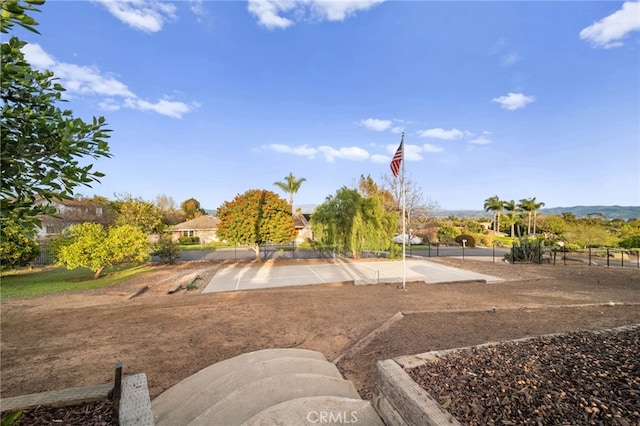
(75, 339)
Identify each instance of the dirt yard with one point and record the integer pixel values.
(75, 339)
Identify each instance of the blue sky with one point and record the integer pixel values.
(209, 99)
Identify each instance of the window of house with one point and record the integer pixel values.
(187, 233)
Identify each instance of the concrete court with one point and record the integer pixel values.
(384, 271)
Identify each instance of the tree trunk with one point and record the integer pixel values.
(98, 273)
(256, 249)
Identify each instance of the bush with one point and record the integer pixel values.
(470, 240)
(486, 240)
(167, 250)
(526, 250)
(630, 242)
(447, 233)
(189, 240)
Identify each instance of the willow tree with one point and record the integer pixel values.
(254, 218)
(353, 223)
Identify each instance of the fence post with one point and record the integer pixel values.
(554, 255)
(429, 248)
(438, 249)
(513, 253)
(622, 258)
(589, 256)
(494, 252)
(607, 257)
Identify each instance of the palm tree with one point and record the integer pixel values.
(511, 207)
(291, 185)
(495, 205)
(530, 206)
(536, 207)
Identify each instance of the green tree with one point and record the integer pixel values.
(92, 246)
(167, 207)
(166, 249)
(350, 222)
(144, 215)
(512, 216)
(531, 207)
(16, 248)
(495, 205)
(43, 148)
(254, 218)
(191, 209)
(290, 185)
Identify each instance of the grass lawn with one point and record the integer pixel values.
(47, 280)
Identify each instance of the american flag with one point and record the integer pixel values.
(397, 159)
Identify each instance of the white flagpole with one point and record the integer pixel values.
(404, 222)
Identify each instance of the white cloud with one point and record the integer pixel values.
(303, 150)
(338, 10)
(412, 152)
(143, 15)
(166, 107)
(397, 130)
(379, 158)
(376, 124)
(432, 148)
(609, 31)
(514, 101)
(270, 12)
(439, 133)
(481, 140)
(509, 59)
(348, 153)
(90, 81)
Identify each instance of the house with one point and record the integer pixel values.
(204, 227)
(302, 225)
(70, 212)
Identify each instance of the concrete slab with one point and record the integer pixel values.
(244, 403)
(359, 273)
(329, 410)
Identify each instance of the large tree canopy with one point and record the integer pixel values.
(256, 217)
(92, 246)
(350, 222)
(44, 148)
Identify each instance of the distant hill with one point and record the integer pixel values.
(610, 212)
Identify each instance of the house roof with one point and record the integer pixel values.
(199, 223)
(301, 220)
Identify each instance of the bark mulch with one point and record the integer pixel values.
(588, 378)
(88, 414)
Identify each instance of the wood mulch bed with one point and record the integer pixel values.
(88, 414)
(589, 378)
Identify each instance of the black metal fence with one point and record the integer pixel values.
(606, 256)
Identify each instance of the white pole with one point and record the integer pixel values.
(404, 223)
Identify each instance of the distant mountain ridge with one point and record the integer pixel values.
(609, 212)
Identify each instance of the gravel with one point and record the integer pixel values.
(588, 378)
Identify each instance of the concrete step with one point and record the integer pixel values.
(249, 400)
(325, 410)
(186, 400)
